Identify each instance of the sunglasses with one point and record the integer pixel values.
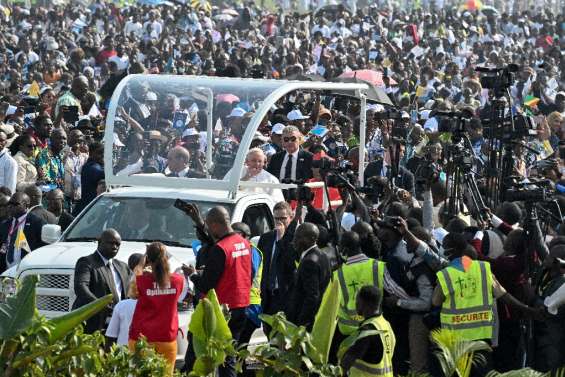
(29, 145)
(291, 139)
(10, 203)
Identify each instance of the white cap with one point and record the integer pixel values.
(259, 136)
(9, 130)
(278, 128)
(189, 132)
(295, 115)
(44, 89)
(51, 44)
(151, 96)
(237, 112)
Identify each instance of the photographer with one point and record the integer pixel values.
(383, 168)
(410, 270)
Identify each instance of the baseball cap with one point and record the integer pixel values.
(278, 128)
(237, 112)
(296, 115)
(259, 136)
(560, 94)
(190, 132)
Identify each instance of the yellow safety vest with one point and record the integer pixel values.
(362, 368)
(351, 278)
(255, 292)
(468, 305)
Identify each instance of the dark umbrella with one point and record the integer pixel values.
(374, 93)
(332, 9)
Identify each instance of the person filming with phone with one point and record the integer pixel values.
(227, 269)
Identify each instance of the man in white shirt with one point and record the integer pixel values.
(156, 26)
(8, 166)
(253, 170)
(133, 26)
(118, 328)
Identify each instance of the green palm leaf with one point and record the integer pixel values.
(456, 356)
(16, 314)
(61, 326)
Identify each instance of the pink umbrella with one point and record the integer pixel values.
(230, 98)
(372, 77)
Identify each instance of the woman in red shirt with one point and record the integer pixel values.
(157, 292)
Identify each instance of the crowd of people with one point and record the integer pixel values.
(482, 266)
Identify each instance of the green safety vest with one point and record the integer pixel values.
(468, 305)
(351, 278)
(255, 292)
(362, 368)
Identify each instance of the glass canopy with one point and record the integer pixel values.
(153, 120)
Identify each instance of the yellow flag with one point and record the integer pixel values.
(420, 91)
(21, 242)
(34, 89)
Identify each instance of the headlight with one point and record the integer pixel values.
(7, 288)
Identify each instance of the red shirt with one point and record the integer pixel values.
(235, 283)
(155, 315)
(105, 55)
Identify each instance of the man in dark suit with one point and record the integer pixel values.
(278, 260)
(11, 252)
(99, 274)
(292, 163)
(55, 204)
(312, 277)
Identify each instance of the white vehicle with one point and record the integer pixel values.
(144, 211)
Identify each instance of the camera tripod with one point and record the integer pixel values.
(461, 185)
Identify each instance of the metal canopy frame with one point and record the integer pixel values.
(233, 183)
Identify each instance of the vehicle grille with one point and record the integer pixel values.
(54, 292)
(54, 281)
(53, 303)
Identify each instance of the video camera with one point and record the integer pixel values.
(524, 126)
(399, 131)
(302, 193)
(530, 192)
(453, 121)
(427, 171)
(498, 79)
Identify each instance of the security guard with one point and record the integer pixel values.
(369, 351)
(466, 293)
(359, 270)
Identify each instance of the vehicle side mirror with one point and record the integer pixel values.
(50, 233)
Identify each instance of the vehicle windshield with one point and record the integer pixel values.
(138, 219)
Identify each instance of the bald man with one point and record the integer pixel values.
(99, 274)
(72, 98)
(312, 277)
(228, 271)
(178, 164)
